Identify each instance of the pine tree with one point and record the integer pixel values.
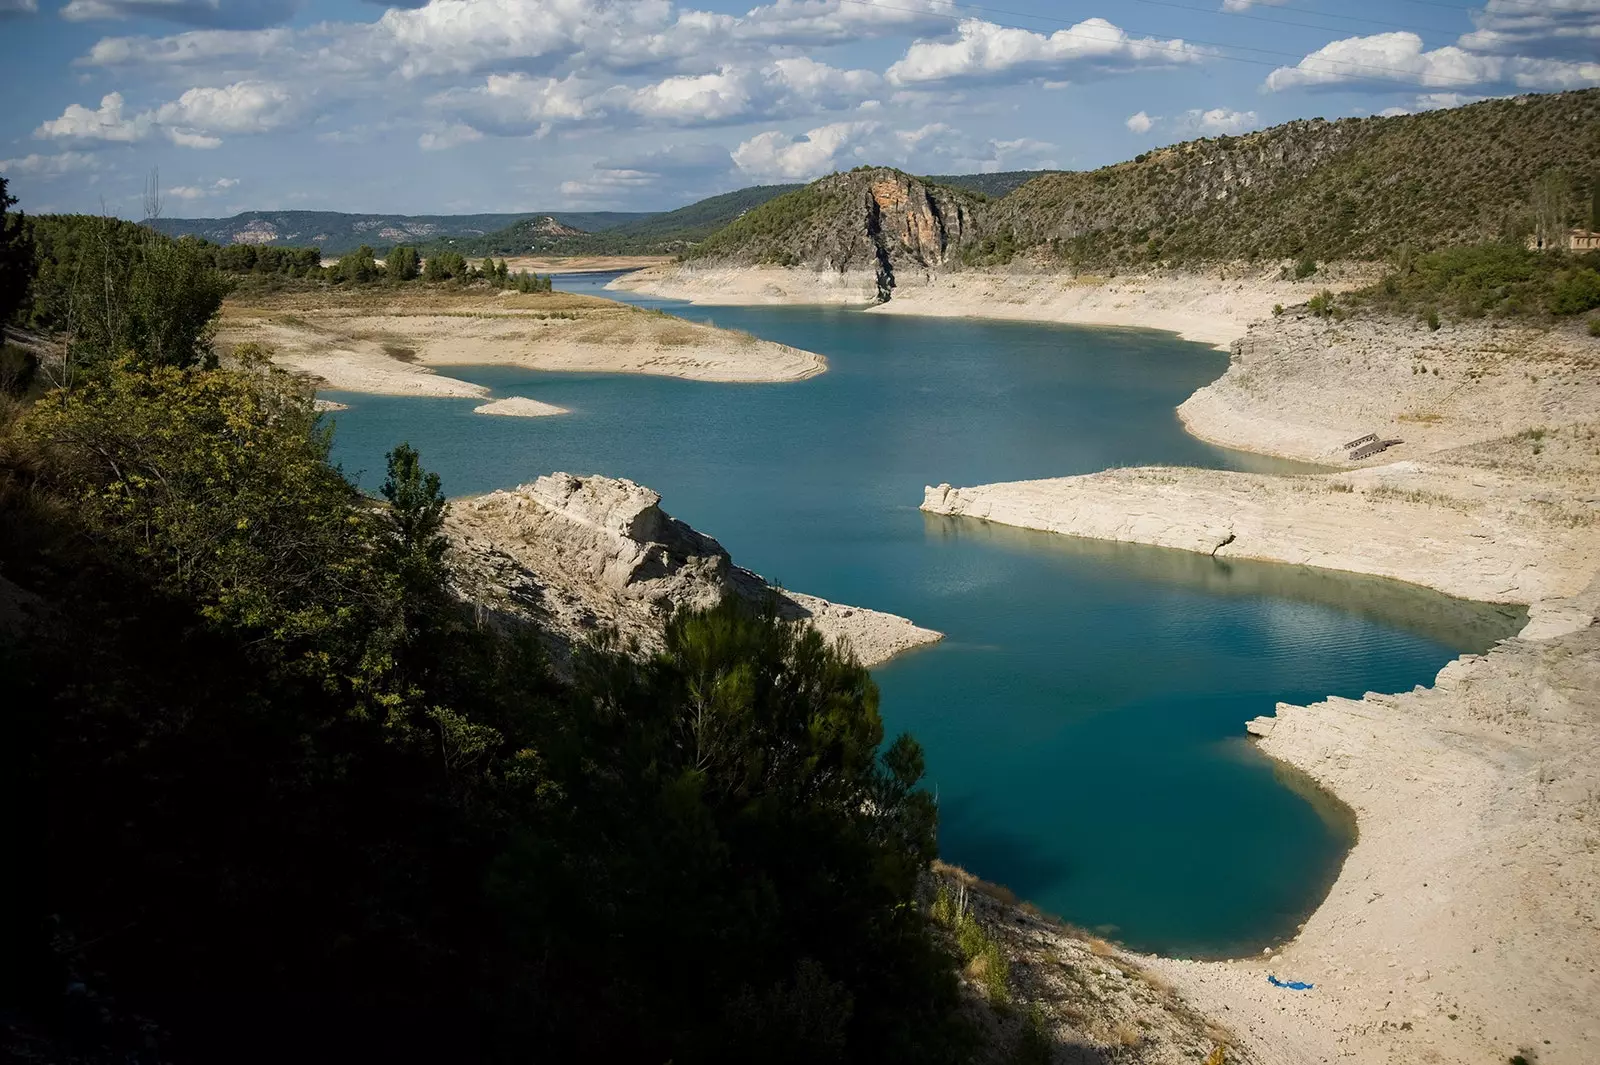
(16, 258)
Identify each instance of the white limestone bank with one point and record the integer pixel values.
(582, 555)
(1213, 307)
(1465, 924)
(1391, 521)
(1300, 386)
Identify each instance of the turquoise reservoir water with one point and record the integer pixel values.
(1084, 719)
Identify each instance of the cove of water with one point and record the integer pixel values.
(1083, 721)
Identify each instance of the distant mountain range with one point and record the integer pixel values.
(336, 232)
(537, 232)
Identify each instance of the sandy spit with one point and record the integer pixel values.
(1409, 521)
(519, 407)
(1214, 308)
(391, 341)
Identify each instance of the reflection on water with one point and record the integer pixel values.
(1441, 618)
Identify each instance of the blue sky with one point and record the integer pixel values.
(523, 105)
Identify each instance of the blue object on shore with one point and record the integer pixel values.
(1292, 985)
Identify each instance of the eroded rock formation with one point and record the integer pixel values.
(581, 555)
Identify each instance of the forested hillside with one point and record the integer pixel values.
(1358, 188)
(274, 791)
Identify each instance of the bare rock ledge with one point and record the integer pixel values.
(581, 554)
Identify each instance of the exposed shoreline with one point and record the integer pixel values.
(1213, 308)
(387, 342)
(1464, 925)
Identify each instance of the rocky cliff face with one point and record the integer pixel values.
(581, 555)
(911, 224)
(875, 220)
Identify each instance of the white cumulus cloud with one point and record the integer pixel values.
(193, 120)
(1220, 120)
(1139, 122)
(779, 157)
(934, 148)
(986, 51)
(1400, 58)
(105, 123)
(243, 107)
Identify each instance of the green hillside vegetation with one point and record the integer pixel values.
(993, 185)
(1353, 189)
(1487, 280)
(274, 792)
(1358, 188)
(775, 231)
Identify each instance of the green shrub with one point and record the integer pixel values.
(1576, 292)
(1305, 268)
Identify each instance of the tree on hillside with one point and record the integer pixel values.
(401, 264)
(1549, 203)
(16, 259)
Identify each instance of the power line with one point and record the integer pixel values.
(1152, 45)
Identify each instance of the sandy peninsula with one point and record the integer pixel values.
(392, 341)
(1213, 308)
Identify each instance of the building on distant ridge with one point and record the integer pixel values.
(1575, 240)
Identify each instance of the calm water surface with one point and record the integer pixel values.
(1083, 721)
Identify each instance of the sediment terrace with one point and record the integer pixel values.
(391, 341)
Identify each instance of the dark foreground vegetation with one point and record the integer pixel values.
(274, 793)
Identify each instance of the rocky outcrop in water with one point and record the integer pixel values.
(582, 555)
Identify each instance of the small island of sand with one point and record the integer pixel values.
(519, 407)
